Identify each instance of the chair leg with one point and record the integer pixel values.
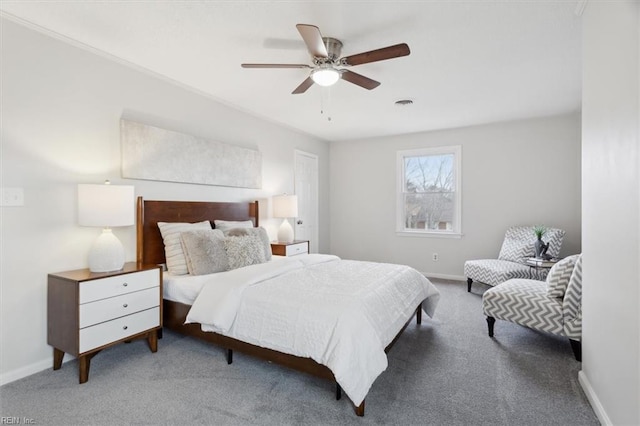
(577, 349)
(469, 281)
(490, 322)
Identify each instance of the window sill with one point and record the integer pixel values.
(428, 234)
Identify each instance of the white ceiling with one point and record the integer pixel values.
(471, 62)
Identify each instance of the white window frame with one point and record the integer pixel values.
(456, 232)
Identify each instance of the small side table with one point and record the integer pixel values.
(537, 264)
(88, 311)
(290, 249)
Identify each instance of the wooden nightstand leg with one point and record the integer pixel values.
(83, 368)
(84, 364)
(152, 340)
(58, 355)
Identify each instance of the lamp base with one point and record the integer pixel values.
(285, 232)
(107, 253)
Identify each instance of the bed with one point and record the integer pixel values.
(304, 278)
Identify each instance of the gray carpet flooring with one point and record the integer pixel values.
(445, 372)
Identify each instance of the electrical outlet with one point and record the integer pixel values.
(435, 257)
(12, 197)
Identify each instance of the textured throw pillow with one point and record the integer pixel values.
(244, 251)
(259, 232)
(225, 225)
(204, 251)
(176, 262)
(559, 275)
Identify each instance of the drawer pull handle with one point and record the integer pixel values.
(125, 284)
(125, 305)
(125, 327)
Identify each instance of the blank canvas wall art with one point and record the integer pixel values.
(152, 153)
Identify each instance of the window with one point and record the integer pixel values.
(429, 191)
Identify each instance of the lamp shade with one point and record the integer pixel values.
(105, 205)
(285, 206)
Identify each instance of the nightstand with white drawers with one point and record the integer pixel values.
(88, 311)
(290, 249)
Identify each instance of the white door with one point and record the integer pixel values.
(306, 187)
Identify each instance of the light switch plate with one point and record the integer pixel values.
(12, 197)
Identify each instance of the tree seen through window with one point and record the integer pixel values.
(429, 192)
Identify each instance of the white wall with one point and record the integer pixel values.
(61, 108)
(610, 210)
(515, 173)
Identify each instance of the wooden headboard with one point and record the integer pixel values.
(150, 247)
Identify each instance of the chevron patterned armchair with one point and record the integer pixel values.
(553, 306)
(518, 245)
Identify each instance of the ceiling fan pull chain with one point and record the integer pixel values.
(325, 90)
(328, 89)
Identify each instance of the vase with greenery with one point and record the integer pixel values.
(540, 247)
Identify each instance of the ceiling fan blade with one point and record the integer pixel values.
(360, 80)
(276, 66)
(377, 55)
(303, 87)
(313, 39)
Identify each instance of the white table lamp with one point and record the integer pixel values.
(106, 206)
(285, 206)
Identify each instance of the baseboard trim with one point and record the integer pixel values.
(593, 399)
(26, 371)
(444, 276)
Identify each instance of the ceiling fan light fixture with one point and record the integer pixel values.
(325, 76)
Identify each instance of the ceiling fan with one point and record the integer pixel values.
(325, 53)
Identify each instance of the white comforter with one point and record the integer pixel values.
(340, 313)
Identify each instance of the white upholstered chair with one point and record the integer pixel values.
(518, 245)
(553, 306)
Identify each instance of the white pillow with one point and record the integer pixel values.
(173, 253)
(225, 225)
(204, 251)
(244, 251)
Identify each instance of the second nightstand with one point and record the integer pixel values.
(290, 249)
